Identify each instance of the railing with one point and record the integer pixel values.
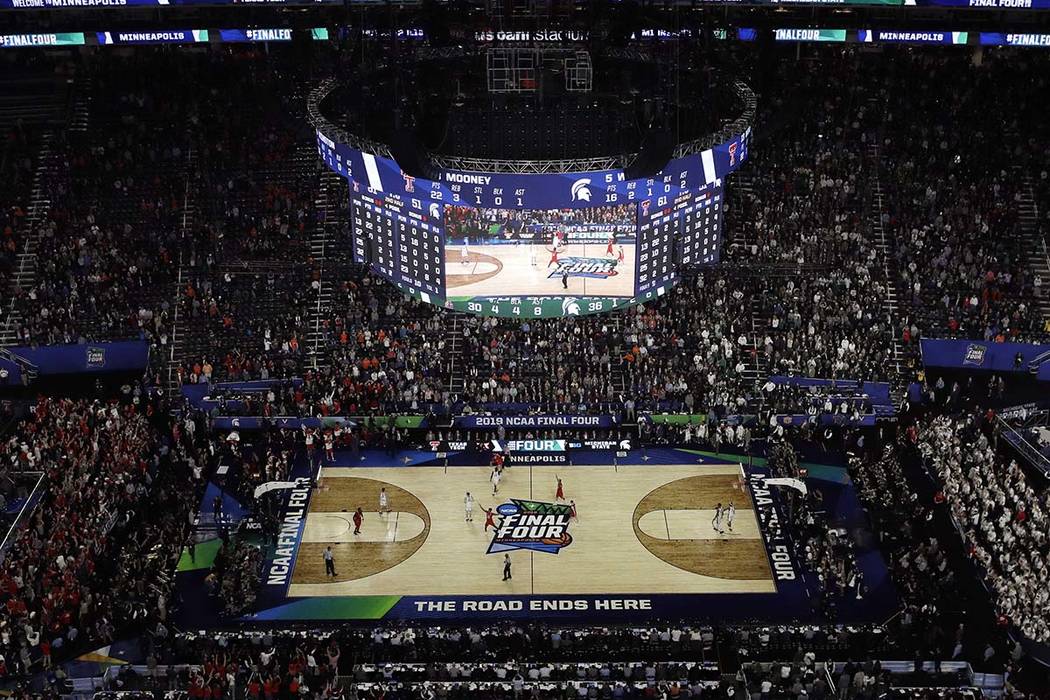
(24, 514)
(29, 370)
(1037, 459)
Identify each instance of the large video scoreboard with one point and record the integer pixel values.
(536, 245)
(536, 263)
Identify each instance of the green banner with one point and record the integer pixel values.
(11, 41)
(383, 421)
(810, 35)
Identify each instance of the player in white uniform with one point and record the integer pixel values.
(468, 507)
(464, 252)
(495, 478)
(329, 446)
(384, 506)
(730, 514)
(716, 522)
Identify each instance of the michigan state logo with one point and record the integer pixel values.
(541, 527)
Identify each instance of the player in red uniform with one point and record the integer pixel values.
(559, 495)
(572, 508)
(490, 519)
(554, 256)
(609, 245)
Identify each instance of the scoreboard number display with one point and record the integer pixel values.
(401, 240)
(701, 232)
(375, 235)
(657, 231)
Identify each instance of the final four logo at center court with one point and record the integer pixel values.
(541, 527)
(595, 268)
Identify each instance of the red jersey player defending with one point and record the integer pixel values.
(559, 495)
(609, 245)
(490, 519)
(554, 256)
(572, 507)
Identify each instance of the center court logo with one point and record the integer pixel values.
(595, 268)
(540, 527)
(580, 190)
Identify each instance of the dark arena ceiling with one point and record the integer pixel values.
(461, 23)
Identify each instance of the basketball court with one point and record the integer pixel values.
(524, 270)
(632, 541)
(640, 530)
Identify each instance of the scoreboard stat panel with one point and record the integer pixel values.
(685, 231)
(657, 231)
(403, 241)
(701, 237)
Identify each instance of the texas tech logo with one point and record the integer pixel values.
(595, 268)
(541, 527)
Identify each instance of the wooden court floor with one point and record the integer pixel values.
(508, 270)
(641, 529)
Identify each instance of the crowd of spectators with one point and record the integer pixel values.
(807, 211)
(1002, 517)
(385, 350)
(17, 160)
(253, 335)
(234, 576)
(81, 567)
(107, 250)
(674, 661)
(804, 221)
(953, 198)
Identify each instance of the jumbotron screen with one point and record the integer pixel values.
(528, 262)
(521, 252)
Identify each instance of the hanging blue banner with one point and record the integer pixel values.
(982, 355)
(90, 358)
(536, 421)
